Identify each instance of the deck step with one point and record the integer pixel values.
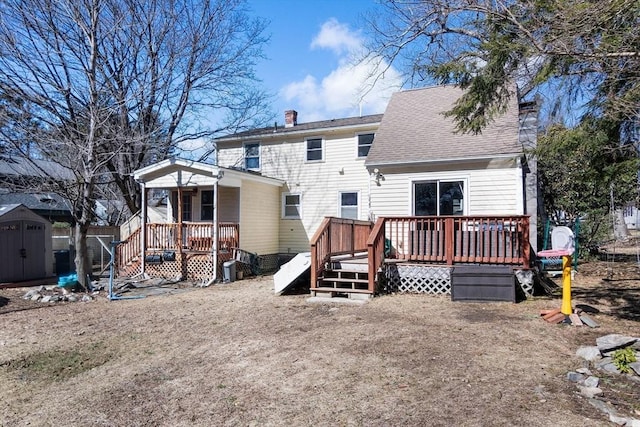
(341, 290)
(343, 279)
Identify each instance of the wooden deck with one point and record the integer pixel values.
(487, 240)
(175, 249)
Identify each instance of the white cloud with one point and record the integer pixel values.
(337, 37)
(348, 90)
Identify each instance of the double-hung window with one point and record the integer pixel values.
(438, 197)
(314, 149)
(291, 206)
(364, 144)
(348, 204)
(252, 155)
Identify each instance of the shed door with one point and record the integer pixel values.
(33, 242)
(22, 251)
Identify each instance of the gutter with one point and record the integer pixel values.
(314, 131)
(441, 161)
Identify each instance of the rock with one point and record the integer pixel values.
(585, 371)
(632, 422)
(611, 368)
(635, 365)
(612, 342)
(46, 298)
(575, 377)
(589, 392)
(55, 298)
(603, 407)
(72, 298)
(617, 419)
(589, 353)
(31, 293)
(86, 298)
(592, 381)
(36, 297)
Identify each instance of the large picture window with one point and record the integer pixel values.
(252, 156)
(349, 205)
(438, 198)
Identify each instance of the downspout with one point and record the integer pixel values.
(370, 214)
(143, 228)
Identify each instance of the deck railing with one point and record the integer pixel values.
(336, 236)
(195, 237)
(500, 240)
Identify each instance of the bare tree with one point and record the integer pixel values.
(588, 50)
(113, 85)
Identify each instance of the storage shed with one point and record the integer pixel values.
(25, 245)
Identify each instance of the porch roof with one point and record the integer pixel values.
(177, 172)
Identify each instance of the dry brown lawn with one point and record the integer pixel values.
(238, 355)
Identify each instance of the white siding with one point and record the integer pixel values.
(488, 191)
(259, 217)
(318, 183)
(180, 178)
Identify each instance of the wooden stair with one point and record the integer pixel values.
(344, 276)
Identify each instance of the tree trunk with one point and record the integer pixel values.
(82, 261)
(620, 230)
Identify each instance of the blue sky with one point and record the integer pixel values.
(309, 66)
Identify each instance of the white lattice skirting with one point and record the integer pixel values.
(417, 278)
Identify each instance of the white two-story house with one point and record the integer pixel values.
(278, 185)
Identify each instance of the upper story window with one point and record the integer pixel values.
(314, 150)
(364, 143)
(252, 155)
(438, 198)
(291, 206)
(206, 205)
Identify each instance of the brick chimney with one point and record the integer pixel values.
(290, 118)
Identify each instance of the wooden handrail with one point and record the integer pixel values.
(165, 237)
(336, 236)
(375, 252)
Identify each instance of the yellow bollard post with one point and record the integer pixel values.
(566, 285)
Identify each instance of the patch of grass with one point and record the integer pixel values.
(59, 365)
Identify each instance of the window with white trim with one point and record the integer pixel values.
(348, 201)
(438, 197)
(364, 143)
(291, 206)
(251, 155)
(314, 150)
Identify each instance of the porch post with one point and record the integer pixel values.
(179, 230)
(143, 227)
(214, 232)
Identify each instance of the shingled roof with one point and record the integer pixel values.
(414, 130)
(303, 127)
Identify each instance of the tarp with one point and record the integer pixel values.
(289, 272)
